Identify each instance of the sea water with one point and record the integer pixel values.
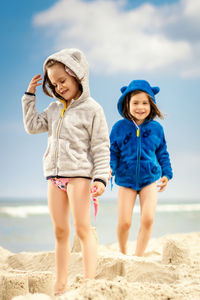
(25, 224)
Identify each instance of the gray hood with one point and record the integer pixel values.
(76, 61)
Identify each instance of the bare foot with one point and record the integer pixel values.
(60, 289)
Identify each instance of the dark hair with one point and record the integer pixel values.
(154, 112)
(47, 86)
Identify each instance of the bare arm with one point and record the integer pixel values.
(33, 121)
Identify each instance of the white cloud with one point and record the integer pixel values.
(147, 38)
(192, 9)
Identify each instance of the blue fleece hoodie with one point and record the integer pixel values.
(137, 161)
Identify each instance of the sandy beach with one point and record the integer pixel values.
(170, 269)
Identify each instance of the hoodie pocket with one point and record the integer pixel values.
(46, 152)
(50, 156)
(154, 169)
(145, 169)
(127, 170)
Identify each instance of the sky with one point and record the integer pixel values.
(155, 40)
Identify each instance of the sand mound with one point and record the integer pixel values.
(169, 270)
(28, 261)
(176, 252)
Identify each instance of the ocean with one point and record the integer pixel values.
(25, 224)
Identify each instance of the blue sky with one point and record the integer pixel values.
(123, 40)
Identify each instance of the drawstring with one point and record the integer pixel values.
(111, 183)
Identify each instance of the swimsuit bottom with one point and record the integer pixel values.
(61, 183)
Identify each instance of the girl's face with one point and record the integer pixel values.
(65, 85)
(140, 107)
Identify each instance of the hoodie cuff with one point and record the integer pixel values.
(100, 180)
(30, 94)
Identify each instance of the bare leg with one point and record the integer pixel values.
(59, 211)
(148, 202)
(78, 190)
(126, 201)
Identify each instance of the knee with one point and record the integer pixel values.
(124, 226)
(82, 230)
(147, 222)
(61, 234)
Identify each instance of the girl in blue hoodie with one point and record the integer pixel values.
(139, 158)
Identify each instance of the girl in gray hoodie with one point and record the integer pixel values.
(77, 153)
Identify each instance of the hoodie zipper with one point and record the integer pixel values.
(59, 127)
(138, 153)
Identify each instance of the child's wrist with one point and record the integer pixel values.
(31, 89)
(100, 180)
(29, 93)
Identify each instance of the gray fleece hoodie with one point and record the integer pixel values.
(78, 141)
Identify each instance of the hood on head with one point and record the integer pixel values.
(76, 61)
(135, 85)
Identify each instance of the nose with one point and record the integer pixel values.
(140, 106)
(59, 87)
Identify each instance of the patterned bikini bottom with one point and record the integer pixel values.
(60, 182)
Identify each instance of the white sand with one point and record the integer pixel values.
(170, 270)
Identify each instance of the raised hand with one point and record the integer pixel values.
(35, 81)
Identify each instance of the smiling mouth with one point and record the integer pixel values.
(140, 113)
(63, 92)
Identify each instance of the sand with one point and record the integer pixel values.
(170, 270)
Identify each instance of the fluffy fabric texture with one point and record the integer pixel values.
(138, 161)
(82, 145)
(141, 85)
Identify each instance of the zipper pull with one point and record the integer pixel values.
(138, 129)
(63, 109)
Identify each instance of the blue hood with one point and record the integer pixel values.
(136, 85)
